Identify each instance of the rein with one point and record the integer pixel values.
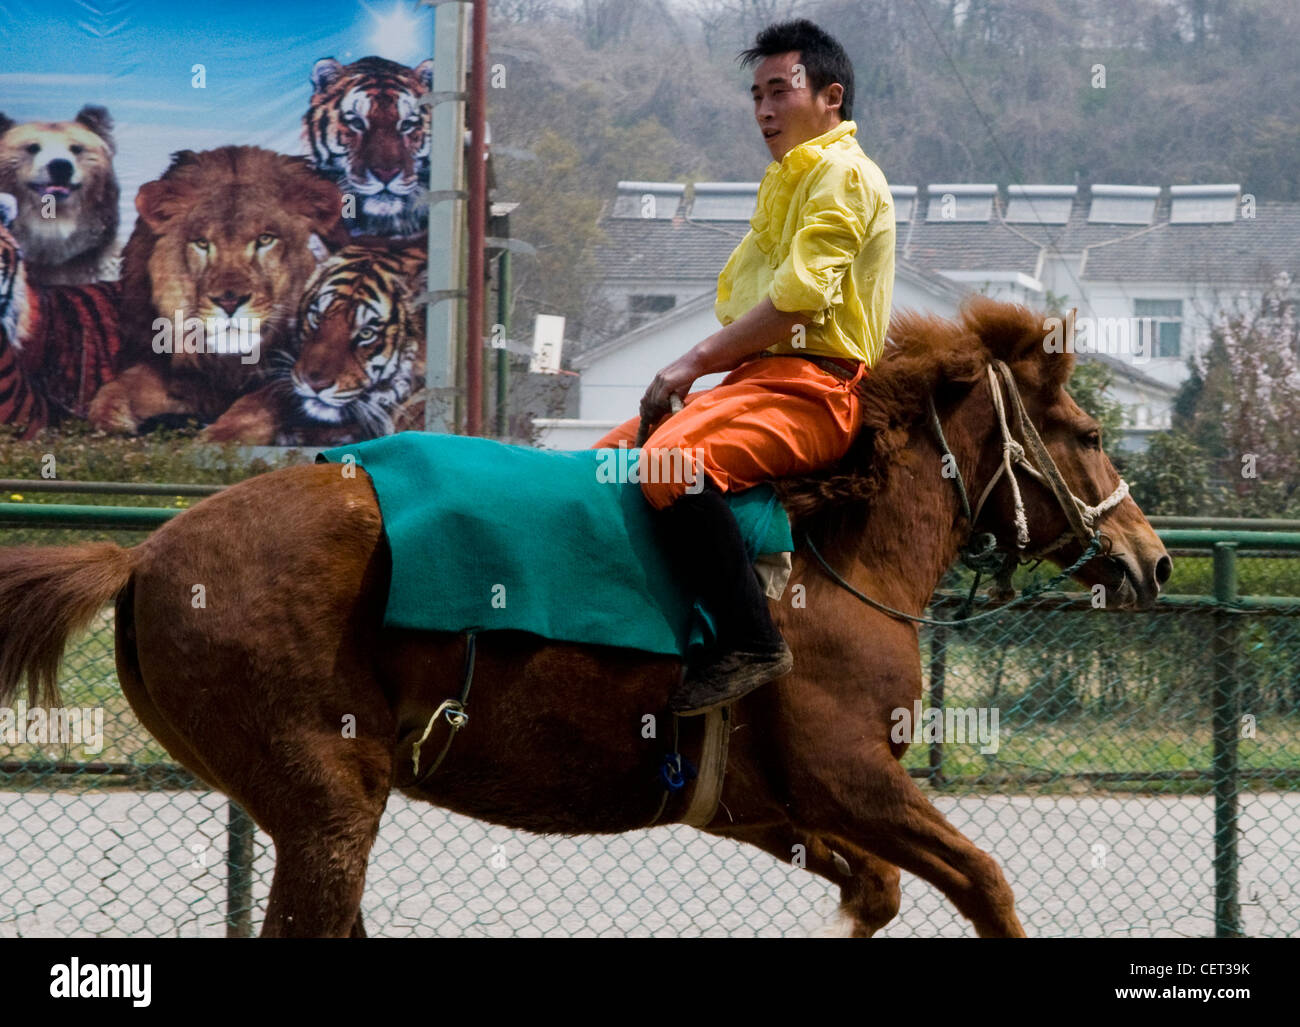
(1081, 516)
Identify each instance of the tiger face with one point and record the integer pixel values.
(366, 129)
(362, 337)
(11, 278)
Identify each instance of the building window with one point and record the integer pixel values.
(643, 308)
(1166, 327)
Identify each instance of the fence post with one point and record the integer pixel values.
(1226, 717)
(938, 670)
(239, 872)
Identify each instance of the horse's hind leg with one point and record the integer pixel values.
(869, 887)
(322, 799)
(318, 793)
(323, 836)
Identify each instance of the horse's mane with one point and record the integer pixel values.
(924, 355)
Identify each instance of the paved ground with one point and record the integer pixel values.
(154, 864)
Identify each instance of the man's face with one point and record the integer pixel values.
(787, 110)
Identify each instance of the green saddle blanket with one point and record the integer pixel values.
(561, 544)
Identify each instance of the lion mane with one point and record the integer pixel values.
(223, 234)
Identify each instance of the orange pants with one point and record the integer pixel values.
(771, 417)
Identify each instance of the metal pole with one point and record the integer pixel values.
(503, 354)
(938, 671)
(66, 515)
(1226, 716)
(446, 219)
(477, 224)
(239, 872)
(107, 488)
(1177, 538)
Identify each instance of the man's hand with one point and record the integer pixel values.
(674, 380)
(724, 350)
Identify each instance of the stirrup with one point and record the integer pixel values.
(729, 677)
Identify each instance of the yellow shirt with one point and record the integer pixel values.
(821, 242)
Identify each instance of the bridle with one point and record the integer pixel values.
(1082, 517)
(981, 553)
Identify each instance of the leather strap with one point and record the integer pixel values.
(707, 789)
(845, 370)
(840, 367)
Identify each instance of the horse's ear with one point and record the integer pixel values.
(1056, 363)
(1043, 357)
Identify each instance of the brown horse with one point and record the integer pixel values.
(284, 690)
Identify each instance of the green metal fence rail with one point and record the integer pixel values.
(63, 515)
(1146, 780)
(105, 488)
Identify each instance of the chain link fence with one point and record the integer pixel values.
(1144, 781)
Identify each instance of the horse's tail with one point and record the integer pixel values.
(46, 595)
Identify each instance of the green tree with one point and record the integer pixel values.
(1090, 386)
(1246, 415)
(1172, 477)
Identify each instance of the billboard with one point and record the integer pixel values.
(210, 214)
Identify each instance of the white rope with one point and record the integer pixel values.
(1091, 514)
(1014, 452)
(455, 718)
(1011, 450)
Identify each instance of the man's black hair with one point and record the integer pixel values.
(822, 57)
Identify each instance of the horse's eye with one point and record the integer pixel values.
(264, 240)
(1092, 439)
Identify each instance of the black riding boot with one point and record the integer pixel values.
(708, 553)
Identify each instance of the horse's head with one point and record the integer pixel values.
(1065, 487)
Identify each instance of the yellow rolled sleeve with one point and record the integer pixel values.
(833, 227)
(820, 244)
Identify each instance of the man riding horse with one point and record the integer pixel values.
(804, 301)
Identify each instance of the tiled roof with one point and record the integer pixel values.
(1244, 250)
(967, 246)
(666, 250)
(651, 328)
(1124, 369)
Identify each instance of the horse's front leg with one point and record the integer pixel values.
(864, 795)
(869, 886)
